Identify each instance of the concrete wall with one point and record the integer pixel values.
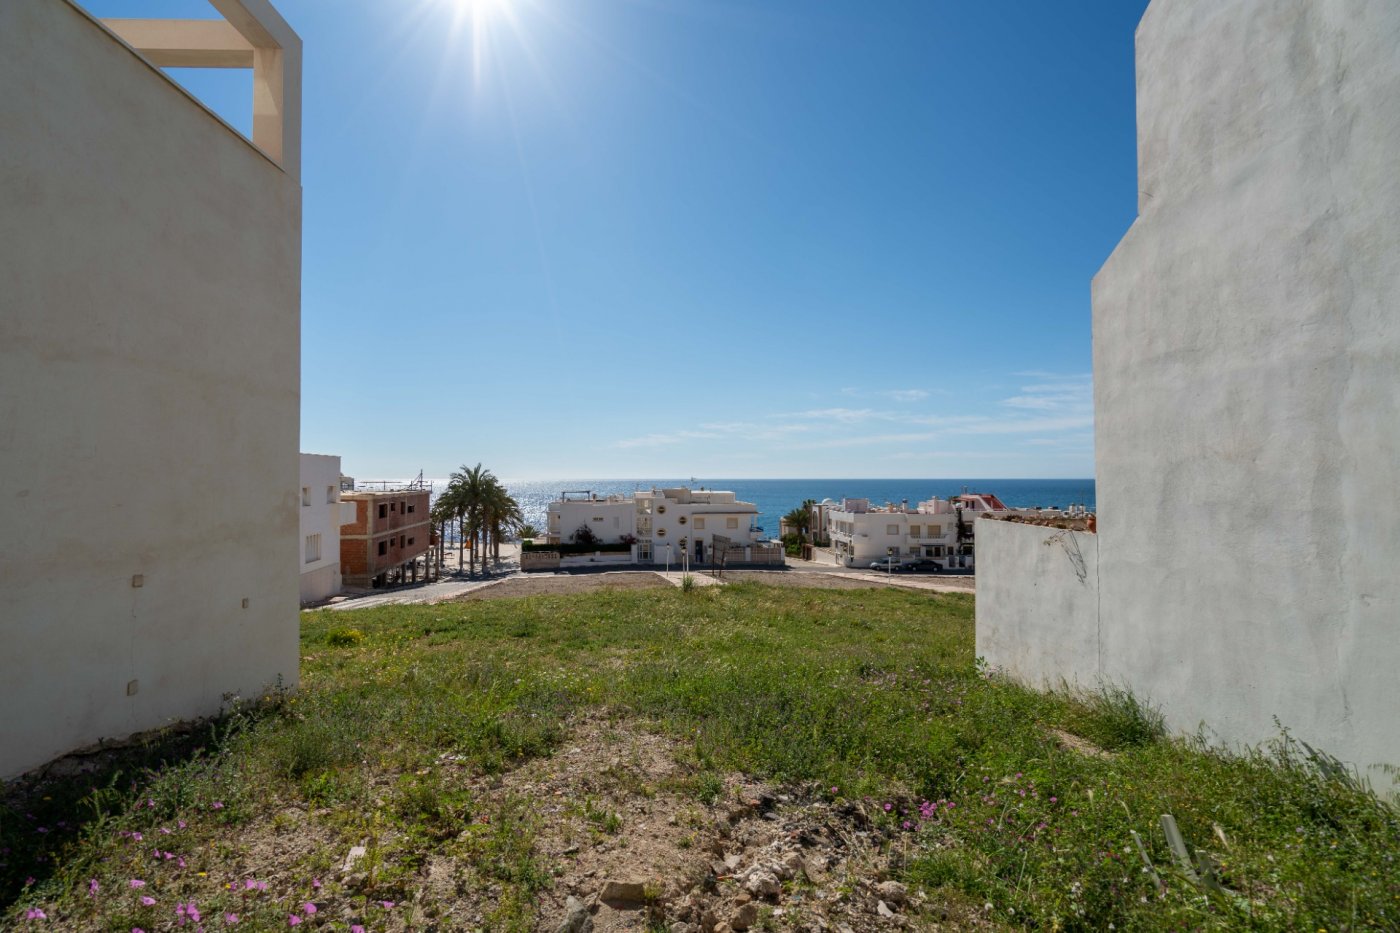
(1038, 603)
(149, 356)
(1247, 377)
(319, 513)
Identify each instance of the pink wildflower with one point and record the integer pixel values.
(356, 928)
(230, 919)
(180, 823)
(308, 908)
(218, 805)
(137, 883)
(888, 807)
(387, 905)
(315, 882)
(137, 836)
(93, 887)
(147, 901)
(293, 921)
(35, 914)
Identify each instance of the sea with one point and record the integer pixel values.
(777, 497)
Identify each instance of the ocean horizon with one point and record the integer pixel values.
(776, 497)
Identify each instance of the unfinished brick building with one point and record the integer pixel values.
(390, 532)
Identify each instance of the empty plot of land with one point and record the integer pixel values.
(806, 580)
(562, 584)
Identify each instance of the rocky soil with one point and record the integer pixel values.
(633, 848)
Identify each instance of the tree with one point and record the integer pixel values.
(471, 487)
(529, 531)
(584, 535)
(800, 519)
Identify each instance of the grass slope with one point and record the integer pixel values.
(868, 693)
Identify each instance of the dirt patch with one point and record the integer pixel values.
(562, 584)
(816, 580)
(633, 845)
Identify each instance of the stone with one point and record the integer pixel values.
(745, 917)
(708, 920)
(576, 918)
(731, 862)
(892, 892)
(683, 927)
(763, 884)
(623, 892)
(884, 910)
(355, 854)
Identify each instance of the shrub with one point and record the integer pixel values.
(344, 637)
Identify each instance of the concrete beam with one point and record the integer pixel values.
(185, 43)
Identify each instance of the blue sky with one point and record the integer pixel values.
(763, 238)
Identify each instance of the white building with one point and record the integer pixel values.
(937, 529)
(664, 524)
(322, 513)
(149, 361)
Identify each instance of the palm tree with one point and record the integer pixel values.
(444, 508)
(473, 485)
(529, 531)
(502, 517)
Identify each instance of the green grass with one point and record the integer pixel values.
(858, 693)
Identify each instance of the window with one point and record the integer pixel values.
(313, 548)
(383, 511)
(699, 524)
(331, 495)
(891, 529)
(305, 495)
(383, 548)
(643, 550)
(403, 507)
(914, 531)
(731, 523)
(393, 506)
(410, 540)
(400, 540)
(935, 531)
(412, 508)
(597, 518)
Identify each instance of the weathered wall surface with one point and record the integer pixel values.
(1247, 376)
(1038, 603)
(149, 356)
(1247, 380)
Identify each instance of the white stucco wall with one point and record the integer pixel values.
(1247, 378)
(149, 355)
(319, 512)
(1038, 603)
(1247, 375)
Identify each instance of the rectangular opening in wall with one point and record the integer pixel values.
(305, 495)
(313, 548)
(226, 90)
(383, 548)
(330, 495)
(383, 511)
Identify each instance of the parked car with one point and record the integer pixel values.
(923, 565)
(888, 564)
